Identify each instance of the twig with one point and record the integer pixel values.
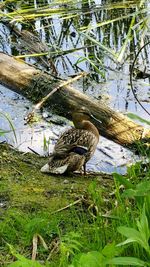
(41, 239)
(34, 249)
(44, 99)
(35, 240)
(16, 170)
(33, 151)
(64, 83)
(68, 206)
(131, 82)
(55, 248)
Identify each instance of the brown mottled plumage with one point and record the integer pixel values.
(75, 146)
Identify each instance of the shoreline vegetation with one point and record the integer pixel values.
(55, 220)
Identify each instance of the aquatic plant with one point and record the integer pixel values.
(12, 129)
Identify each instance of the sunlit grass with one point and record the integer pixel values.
(91, 233)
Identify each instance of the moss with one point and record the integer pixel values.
(23, 183)
(30, 201)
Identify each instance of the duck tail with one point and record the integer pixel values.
(54, 170)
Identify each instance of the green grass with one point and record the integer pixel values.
(3, 132)
(108, 228)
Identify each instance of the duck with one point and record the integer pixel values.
(75, 146)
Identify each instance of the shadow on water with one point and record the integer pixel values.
(99, 37)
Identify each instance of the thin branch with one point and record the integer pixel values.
(33, 151)
(70, 205)
(64, 83)
(131, 81)
(30, 116)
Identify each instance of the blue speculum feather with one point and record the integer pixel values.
(79, 150)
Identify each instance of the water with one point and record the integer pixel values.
(109, 157)
(111, 84)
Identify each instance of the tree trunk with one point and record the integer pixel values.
(35, 84)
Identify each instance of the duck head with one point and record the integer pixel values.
(82, 120)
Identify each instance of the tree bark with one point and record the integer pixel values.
(35, 84)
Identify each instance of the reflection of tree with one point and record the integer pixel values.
(108, 24)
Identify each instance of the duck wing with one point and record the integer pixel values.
(73, 140)
(71, 163)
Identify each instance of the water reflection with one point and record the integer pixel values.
(109, 157)
(81, 36)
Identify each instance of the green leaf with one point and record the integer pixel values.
(132, 234)
(143, 186)
(130, 193)
(122, 180)
(143, 225)
(25, 263)
(109, 250)
(3, 132)
(10, 123)
(142, 189)
(93, 258)
(129, 36)
(127, 241)
(103, 47)
(144, 229)
(129, 232)
(22, 261)
(127, 261)
(138, 118)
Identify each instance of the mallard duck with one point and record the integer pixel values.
(75, 146)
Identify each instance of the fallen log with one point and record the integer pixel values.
(35, 84)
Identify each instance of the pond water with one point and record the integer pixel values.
(108, 81)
